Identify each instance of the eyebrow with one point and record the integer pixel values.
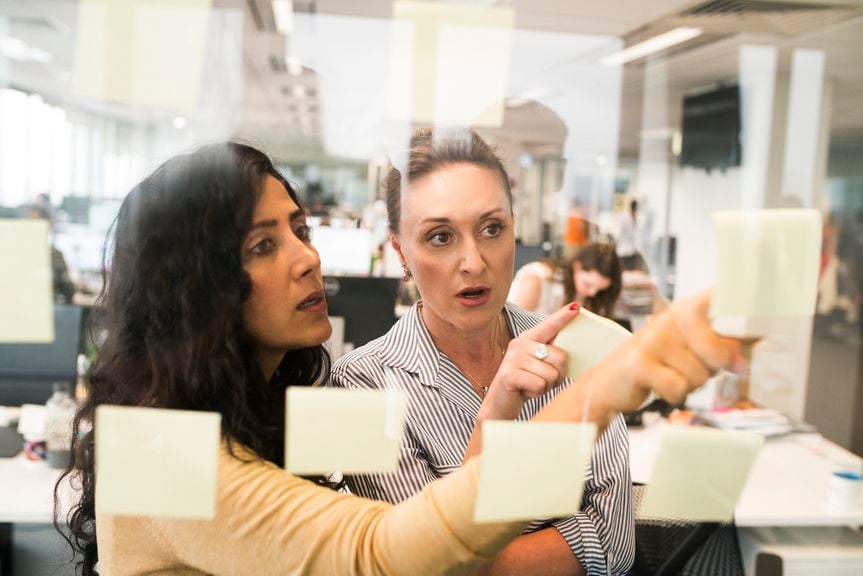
(272, 223)
(445, 220)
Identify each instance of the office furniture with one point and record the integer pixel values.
(366, 303)
(786, 490)
(802, 551)
(28, 371)
(26, 497)
(787, 485)
(526, 253)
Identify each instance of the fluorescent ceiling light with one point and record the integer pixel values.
(651, 46)
(283, 11)
(16, 49)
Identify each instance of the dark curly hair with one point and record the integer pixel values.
(170, 318)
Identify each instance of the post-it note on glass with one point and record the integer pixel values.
(532, 470)
(700, 474)
(459, 58)
(116, 58)
(156, 463)
(767, 262)
(588, 339)
(27, 298)
(351, 431)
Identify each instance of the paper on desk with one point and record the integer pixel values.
(588, 339)
(31, 421)
(351, 431)
(156, 463)
(767, 262)
(27, 299)
(531, 470)
(700, 474)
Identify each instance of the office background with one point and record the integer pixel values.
(685, 106)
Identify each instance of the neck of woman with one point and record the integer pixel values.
(481, 349)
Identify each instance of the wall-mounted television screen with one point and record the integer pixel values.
(711, 129)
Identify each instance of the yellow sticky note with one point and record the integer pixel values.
(26, 291)
(700, 474)
(351, 431)
(532, 470)
(767, 262)
(117, 59)
(588, 339)
(461, 57)
(156, 463)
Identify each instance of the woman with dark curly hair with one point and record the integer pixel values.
(214, 302)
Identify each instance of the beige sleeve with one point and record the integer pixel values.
(269, 522)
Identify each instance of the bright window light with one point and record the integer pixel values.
(283, 11)
(295, 67)
(16, 49)
(651, 46)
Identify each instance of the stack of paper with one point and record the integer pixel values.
(762, 421)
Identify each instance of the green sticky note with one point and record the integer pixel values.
(532, 470)
(26, 292)
(588, 339)
(766, 262)
(460, 61)
(351, 431)
(157, 463)
(700, 474)
(141, 52)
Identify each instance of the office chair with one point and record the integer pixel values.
(672, 546)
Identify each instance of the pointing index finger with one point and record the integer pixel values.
(547, 330)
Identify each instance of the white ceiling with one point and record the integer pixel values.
(271, 112)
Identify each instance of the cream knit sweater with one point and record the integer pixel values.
(269, 522)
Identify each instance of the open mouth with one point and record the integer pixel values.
(312, 300)
(473, 293)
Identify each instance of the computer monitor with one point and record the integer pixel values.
(28, 371)
(366, 303)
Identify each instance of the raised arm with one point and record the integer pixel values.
(269, 522)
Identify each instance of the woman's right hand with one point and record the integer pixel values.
(675, 353)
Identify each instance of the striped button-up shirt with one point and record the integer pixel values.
(442, 412)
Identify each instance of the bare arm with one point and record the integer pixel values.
(519, 558)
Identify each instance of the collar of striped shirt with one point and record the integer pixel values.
(408, 345)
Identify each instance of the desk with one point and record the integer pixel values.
(26, 497)
(787, 485)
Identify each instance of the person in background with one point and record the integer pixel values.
(592, 278)
(462, 344)
(232, 312)
(627, 239)
(64, 288)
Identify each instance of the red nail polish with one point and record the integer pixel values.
(574, 306)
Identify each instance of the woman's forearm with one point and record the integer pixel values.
(541, 553)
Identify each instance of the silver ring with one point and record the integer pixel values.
(541, 352)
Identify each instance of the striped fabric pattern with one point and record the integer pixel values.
(442, 411)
